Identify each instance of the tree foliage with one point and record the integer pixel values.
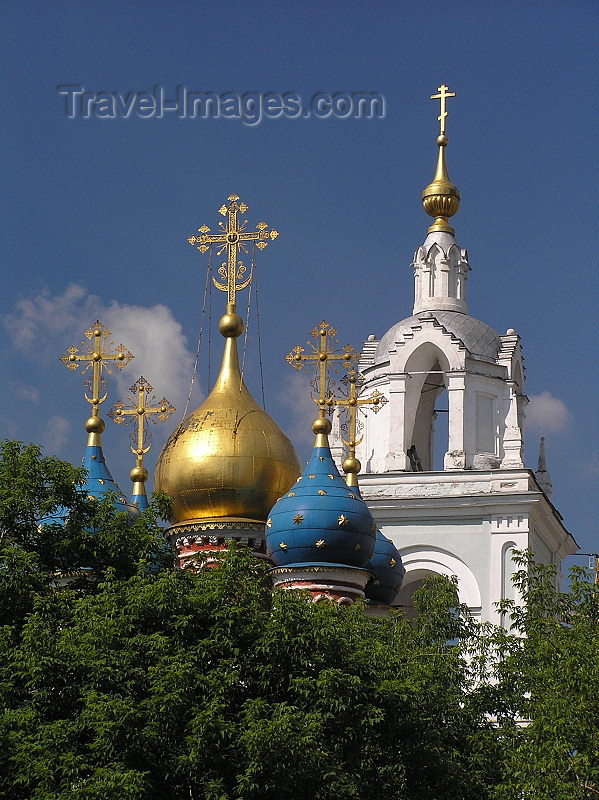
(130, 682)
(547, 672)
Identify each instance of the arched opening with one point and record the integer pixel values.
(421, 561)
(440, 430)
(423, 437)
(405, 597)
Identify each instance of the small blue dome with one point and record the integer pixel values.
(388, 571)
(97, 483)
(99, 480)
(321, 520)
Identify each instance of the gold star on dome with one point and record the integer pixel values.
(311, 476)
(358, 547)
(282, 545)
(269, 523)
(321, 491)
(332, 477)
(320, 543)
(373, 527)
(352, 496)
(298, 519)
(393, 562)
(321, 458)
(291, 494)
(343, 520)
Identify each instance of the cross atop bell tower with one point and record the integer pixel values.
(442, 96)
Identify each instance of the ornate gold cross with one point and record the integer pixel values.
(232, 238)
(98, 356)
(324, 353)
(442, 96)
(352, 402)
(140, 411)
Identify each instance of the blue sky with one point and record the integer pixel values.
(96, 211)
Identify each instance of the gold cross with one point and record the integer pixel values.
(232, 238)
(324, 353)
(442, 96)
(352, 402)
(138, 411)
(98, 355)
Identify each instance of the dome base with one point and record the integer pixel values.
(198, 536)
(337, 582)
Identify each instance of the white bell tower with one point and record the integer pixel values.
(458, 506)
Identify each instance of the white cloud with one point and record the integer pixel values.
(156, 339)
(26, 392)
(295, 395)
(45, 326)
(57, 431)
(547, 414)
(51, 314)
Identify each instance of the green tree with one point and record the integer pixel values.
(547, 690)
(138, 683)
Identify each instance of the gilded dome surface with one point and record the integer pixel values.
(229, 458)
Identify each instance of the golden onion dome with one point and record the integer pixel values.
(228, 459)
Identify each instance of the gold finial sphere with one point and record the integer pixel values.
(140, 411)
(231, 326)
(139, 474)
(95, 425)
(97, 357)
(322, 425)
(97, 332)
(351, 466)
(442, 141)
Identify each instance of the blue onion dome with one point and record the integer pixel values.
(321, 520)
(388, 572)
(99, 481)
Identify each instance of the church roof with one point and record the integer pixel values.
(477, 337)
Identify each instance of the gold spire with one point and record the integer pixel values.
(324, 353)
(140, 411)
(352, 402)
(98, 355)
(228, 461)
(441, 199)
